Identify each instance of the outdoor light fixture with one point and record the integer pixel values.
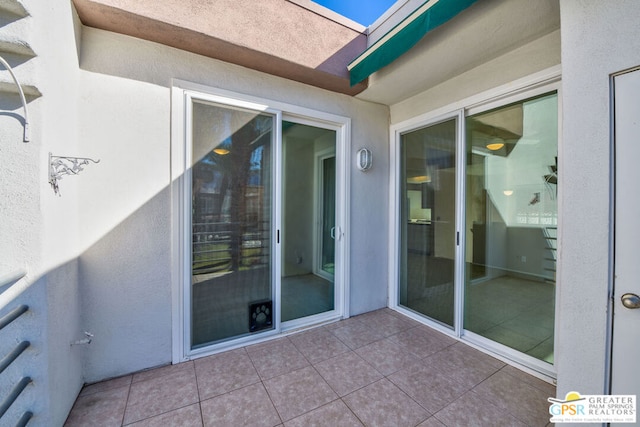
(60, 166)
(364, 159)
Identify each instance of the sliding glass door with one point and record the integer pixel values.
(309, 220)
(259, 218)
(231, 223)
(478, 226)
(428, 221)
(512, 219)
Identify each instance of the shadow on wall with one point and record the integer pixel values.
(55, 366)
(125, 280)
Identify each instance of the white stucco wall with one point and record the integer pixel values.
(521, 62)
(38, 229)
(598, 39)
(125, 224)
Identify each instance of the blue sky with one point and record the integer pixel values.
(364, 12)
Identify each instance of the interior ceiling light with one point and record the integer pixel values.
(494, 146)
(221, 151)
(421, 179)
(507, 192)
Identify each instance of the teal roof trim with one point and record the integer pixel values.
(404, 36)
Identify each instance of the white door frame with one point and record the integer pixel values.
(624, 322)
(531, 86)
(342, 154)
(319, 158)
(182, 93)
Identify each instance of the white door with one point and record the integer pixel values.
(625, 375)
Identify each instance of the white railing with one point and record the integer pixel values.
(15, 287)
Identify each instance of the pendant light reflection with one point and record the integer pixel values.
(221, 151)
(419, 179)
(495, 146)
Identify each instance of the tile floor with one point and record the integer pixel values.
(376, 369)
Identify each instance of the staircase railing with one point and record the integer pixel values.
(15, 287)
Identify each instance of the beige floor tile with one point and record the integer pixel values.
(124, 381)
(466, 367)
(303, 376)
(249, 406)
(334, 414)
(161, 394)
(387, 323)
(422, 341)
(428, 386)
(386, 356)
(224, 372)
(431, 422)
(105, 408)
(188, 416)
(318, 345)
(544, 386)
(357, 334)
(162, 371)
(276, 358)
(470, 410)
(523, 401)
(384, 404)
(347, 373)
(298, 392)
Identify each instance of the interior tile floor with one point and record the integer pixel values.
(376, 369)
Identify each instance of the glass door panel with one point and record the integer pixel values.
(428, 221)
(511, 225)
(328, 210)
(231, 211)
(308, 223)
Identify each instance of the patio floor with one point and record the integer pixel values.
(376, 369)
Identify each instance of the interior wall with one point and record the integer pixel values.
(597, 40)
(298, 206)
(126, 220)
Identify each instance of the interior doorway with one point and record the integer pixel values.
(309, 221)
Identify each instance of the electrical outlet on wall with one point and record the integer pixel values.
(523, 258)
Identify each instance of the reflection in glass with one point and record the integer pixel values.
(511, 223)
(231, 223)
(428, 182)
(309, 199)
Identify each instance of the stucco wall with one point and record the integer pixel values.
(533, 57)
(125, 224)
(597, 40)
(39, 229)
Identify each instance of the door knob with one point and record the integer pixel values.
(630, 300)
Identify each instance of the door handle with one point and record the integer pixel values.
(630, 300)
(333, 233)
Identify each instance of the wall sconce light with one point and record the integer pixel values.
(364, 159)
(60, 166)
